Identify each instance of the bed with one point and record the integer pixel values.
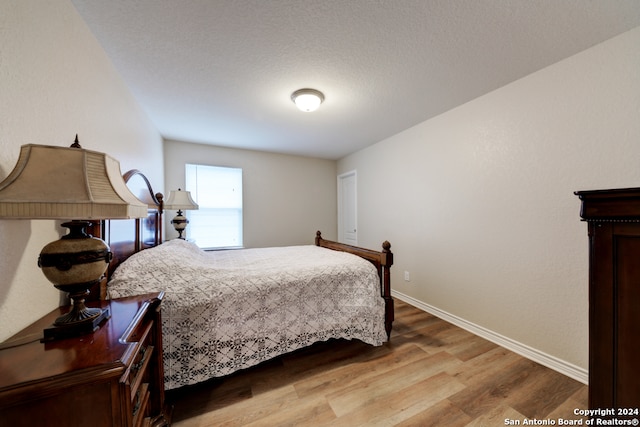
(229, 310)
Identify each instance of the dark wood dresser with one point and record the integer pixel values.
(111, 377)
(613, 218)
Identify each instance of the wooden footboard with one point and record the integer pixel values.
(382, 260)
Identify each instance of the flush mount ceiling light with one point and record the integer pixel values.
(307, 99)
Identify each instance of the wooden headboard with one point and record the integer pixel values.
(128, 236)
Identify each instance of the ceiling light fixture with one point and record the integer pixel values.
(307, 99)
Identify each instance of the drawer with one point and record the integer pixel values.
(143, 354)
(140, 404)
(140, 368)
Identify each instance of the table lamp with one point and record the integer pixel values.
(181, 201)
(75, 184)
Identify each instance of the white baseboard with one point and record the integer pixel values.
(565, 368)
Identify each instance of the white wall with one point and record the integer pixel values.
(478, 203)
(286, 198)
(56, 81)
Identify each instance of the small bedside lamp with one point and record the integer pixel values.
(74, 184)
(180, 200)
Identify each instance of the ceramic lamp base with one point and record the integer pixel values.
(73, 264)
(180, 223)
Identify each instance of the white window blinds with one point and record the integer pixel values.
(218, 193)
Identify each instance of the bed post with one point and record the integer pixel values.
(387, 262)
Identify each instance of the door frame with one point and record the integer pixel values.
(341, 177)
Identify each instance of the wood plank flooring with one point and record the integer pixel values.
(431, 373)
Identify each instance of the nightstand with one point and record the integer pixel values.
(111, 377)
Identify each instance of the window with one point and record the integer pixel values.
(218, 192)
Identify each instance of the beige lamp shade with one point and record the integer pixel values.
(51, 182)
(180, 200)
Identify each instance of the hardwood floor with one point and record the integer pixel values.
(431, 373)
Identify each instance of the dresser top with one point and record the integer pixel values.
(614, 204)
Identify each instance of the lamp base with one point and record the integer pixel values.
(74, 264)
(80, 327)
(180, 223)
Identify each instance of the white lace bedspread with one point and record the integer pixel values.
(228, 310)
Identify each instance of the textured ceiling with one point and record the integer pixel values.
(222, 71)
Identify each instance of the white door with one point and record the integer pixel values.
(347, 212)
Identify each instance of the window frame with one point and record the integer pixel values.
(228, 203)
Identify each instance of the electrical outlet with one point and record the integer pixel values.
(407, 277)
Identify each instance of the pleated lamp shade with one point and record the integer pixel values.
(67, 183)
(180, 200)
